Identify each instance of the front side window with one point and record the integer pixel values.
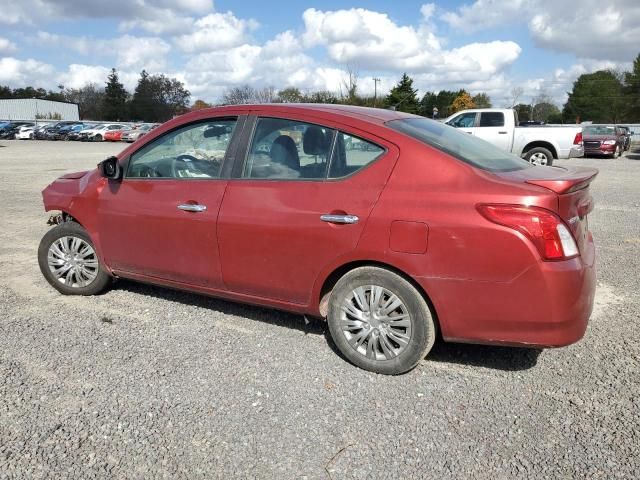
(193, 151)
(466, 120)
(462, 146)
(288, 149)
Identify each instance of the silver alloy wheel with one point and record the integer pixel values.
(538, 159)
(375, 322)
(73, 262)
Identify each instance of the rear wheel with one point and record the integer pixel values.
(97, 138)
(539, 156)
(379, 321)
(69, 262)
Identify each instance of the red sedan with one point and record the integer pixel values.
(115, 135)
(391, 226)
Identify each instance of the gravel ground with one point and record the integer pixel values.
(143, 382)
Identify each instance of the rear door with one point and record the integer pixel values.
(492, 128)
(299, 202)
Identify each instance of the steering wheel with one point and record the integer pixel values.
(184, 159)
(149, 172)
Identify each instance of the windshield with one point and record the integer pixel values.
(460, 145)
(599, 130)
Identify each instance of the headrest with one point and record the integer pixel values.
(315, 141)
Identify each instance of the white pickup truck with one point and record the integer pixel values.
(537, 144)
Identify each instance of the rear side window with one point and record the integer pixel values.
(460, 145)
(288, 149)
(492, 119)
(352, 154)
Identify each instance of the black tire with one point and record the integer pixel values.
(71, 229)
(539, 151)
(97, 138)
(423, 330)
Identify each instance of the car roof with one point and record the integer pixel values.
(368, 114)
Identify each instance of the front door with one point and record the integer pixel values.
(464, 121)
(160, 220)
(301, 202)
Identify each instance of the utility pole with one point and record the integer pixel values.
(375, 90)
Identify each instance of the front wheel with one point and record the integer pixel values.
(69, 262)
(539, 156)
(379, 321)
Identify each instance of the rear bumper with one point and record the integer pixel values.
(576, 151)
(548, 305)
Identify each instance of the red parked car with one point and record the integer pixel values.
(391, 226)
(115, 135)
(609, 140)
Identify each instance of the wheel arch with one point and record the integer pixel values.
(330, 281)
(542, 144)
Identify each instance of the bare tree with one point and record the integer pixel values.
(265, 95)
(350, 86)
(238, 95)
(516, 93)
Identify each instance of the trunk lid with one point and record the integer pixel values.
(571, 185)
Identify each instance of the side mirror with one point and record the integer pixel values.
(110, 168)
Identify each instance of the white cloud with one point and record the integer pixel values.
(216, 31)
(363, 37)
(20, 73)
(591, 29)
(7, 46)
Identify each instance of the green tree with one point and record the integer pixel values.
(89, 99)
(115, 98)
(632, 92)
(403, 96)
(482, 100)
(597, 97)
(143, 105)
(158, 98)
(290, 95)
(524, 112)
(427, 103)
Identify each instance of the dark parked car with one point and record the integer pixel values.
(63, 132)
(627, 134)
(425, 230)
(605, 140)
(9, 130)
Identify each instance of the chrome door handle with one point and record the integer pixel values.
(347, 219)
(192, 207)
(503, 133)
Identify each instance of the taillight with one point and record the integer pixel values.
(578, 139)
(542, 227)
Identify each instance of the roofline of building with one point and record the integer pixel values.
(43, 99)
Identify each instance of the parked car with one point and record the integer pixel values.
(77, 134)
(50, 132)
(540, 145)
(627, 137)
(428, 230)
(607, 140)
(116, 135)
(8, 132)
(26, 132)
(63, 132)
(97, 134)
(140, 131)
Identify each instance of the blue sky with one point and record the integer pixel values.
(536, 47)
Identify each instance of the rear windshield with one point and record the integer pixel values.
(460, 145)
(599, 130)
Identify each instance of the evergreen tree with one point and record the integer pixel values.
(115, 98)
(142, 103)
(403, 97)
(427, 103)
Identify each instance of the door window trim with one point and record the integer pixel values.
(227, 161)
(249, 132)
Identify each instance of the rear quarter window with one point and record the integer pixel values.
(460, 145)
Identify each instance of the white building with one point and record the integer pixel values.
(36, 109)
